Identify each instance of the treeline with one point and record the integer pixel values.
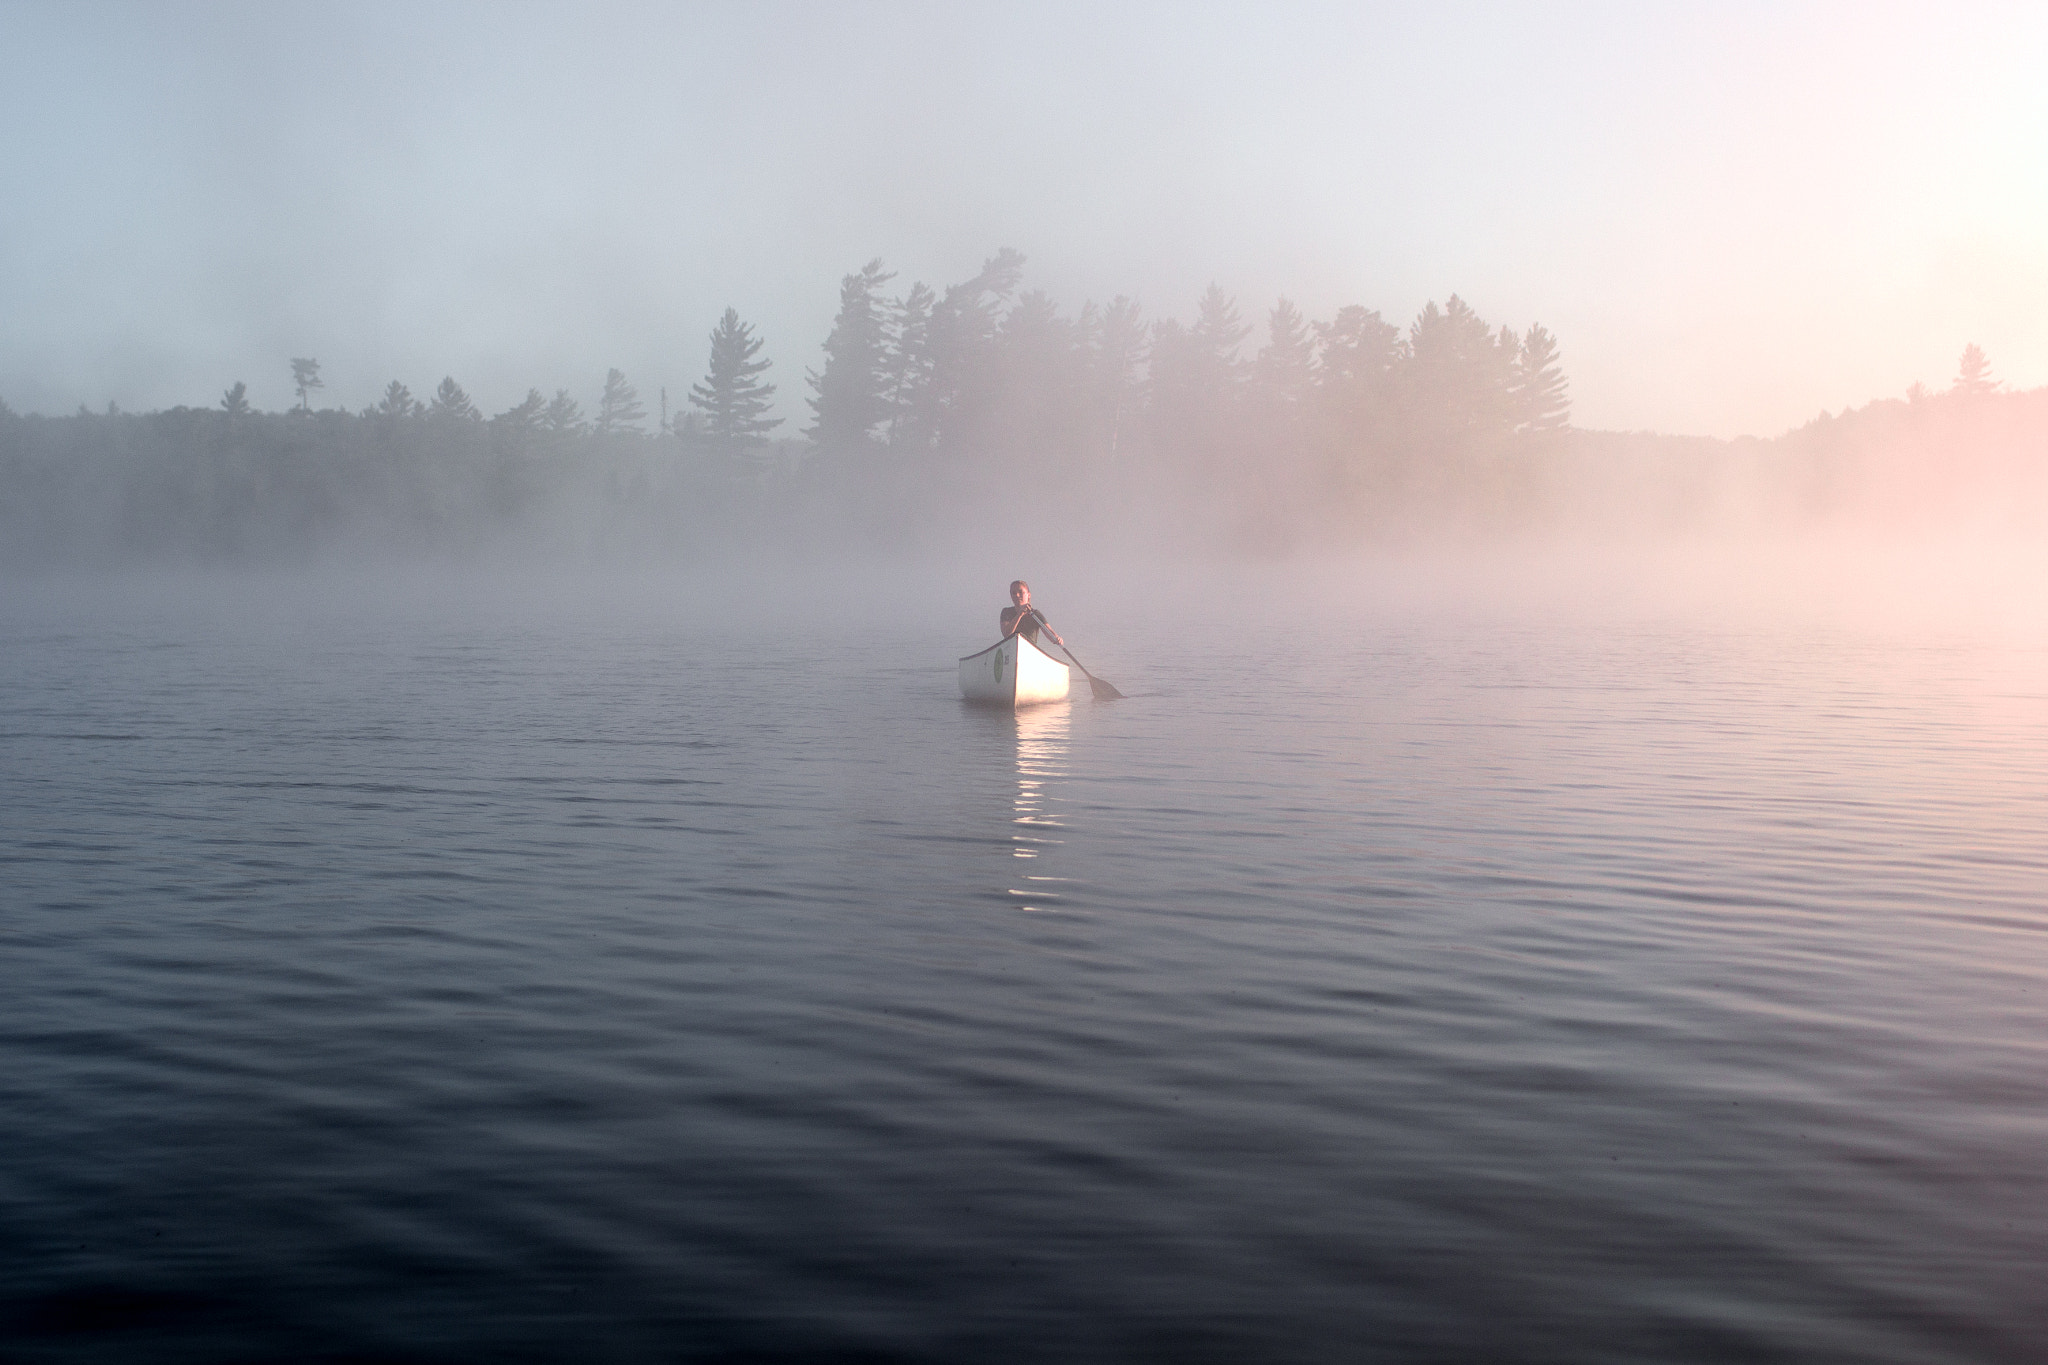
(985, 410)
(423, 480)
(988, 396)
(928, 409)
(421, 477)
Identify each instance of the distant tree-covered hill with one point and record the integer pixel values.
(1964, 459)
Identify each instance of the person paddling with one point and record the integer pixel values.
(1024, 619)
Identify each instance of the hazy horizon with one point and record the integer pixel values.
(1732, 220)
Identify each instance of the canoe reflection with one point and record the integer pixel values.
(1035, 820)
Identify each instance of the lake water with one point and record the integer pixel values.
(495, 975)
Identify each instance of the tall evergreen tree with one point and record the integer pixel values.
(953, 406)
(524, 416)
(850, 397)
(1459, 373)
(1195, 374)
(451, 404)
(564, 415)
(1121, 345)
(1276, 442)
(398, 402)
(1542, 398)
(1195, 416)
(1973, 375)
(1036, 412)
(618, 407)
(306, 378)
(1034, 338)
(907, 358)
(1169, 380)
(1286, 364)
(1356, 354)
(733, 396)
(1216, 337)
(1119, 353)
(235, 402)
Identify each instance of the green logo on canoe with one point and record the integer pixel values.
(999, 665)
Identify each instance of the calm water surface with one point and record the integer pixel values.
(497, 980)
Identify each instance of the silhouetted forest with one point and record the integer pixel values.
(984, 408)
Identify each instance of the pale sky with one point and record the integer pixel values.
(1733, 216)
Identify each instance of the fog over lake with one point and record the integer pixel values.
(1544, 862)
(1621, 966)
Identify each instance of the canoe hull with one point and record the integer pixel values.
(1013, 673)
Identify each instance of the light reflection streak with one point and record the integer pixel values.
(1041, 759)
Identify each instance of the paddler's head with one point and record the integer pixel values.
(1020, 593)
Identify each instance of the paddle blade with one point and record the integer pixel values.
(1103, 691)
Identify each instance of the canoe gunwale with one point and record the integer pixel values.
(1022, 643)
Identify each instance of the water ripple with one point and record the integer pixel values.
(535, 985)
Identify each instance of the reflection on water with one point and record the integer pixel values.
(1041, 760)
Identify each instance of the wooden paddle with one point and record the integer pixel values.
(1103, 691)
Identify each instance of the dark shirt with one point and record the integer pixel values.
(1028, 627)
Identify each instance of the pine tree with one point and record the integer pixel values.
(850, 396)
(907, 358)
(618, 408)
(733, 396)
(1357, 352)
(451, 404)
(1036, 345)
(1286, 364)
(1121, 347)
(1541, 395)
(398, 402)
(1216, 337)
(953, 407)
(524, 416)
(1459, 371)
(1973, 377)
(564, 416)
(306, 378)
(235, 402)
(1120, 351)
(1195, 375)
(1038, 372)
(1169, 379)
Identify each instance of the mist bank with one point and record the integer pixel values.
(202, 488)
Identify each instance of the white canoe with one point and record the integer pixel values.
(1013, 673)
